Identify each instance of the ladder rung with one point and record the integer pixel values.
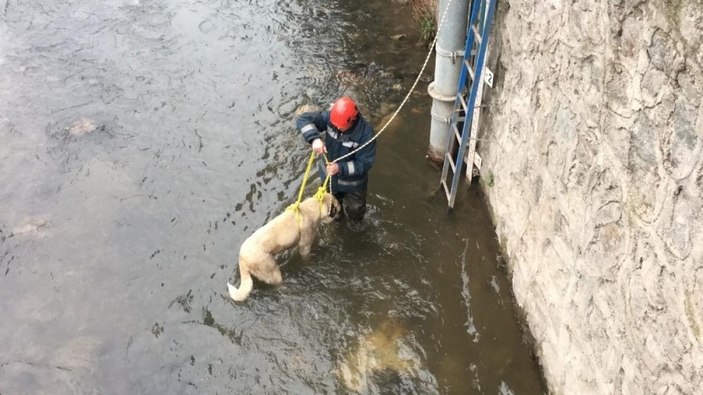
(469, 68)
(459, 117)
(477, 35)
(446, 189)
(464, 106)
(456, 133)
(448, 156)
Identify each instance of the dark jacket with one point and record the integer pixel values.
(353, 170)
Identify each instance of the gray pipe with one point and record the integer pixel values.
(449, 55)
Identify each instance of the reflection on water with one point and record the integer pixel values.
(143, 141)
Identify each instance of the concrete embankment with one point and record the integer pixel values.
(593, 170)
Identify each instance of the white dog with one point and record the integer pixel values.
(256, 255)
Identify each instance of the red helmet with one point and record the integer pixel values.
(343, 113)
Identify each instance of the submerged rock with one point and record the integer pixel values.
(362, 74)
(83, 126)
(306, 108)
(381, 352)
(33, 227)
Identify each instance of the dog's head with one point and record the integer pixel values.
(331, 209)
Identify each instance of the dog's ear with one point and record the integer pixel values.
(333, 206)
(332, 213)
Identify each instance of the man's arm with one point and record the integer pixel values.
(311, 124)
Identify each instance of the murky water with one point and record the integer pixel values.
(143, 141)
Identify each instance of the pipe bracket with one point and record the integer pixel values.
(439, 118)
(453, 55)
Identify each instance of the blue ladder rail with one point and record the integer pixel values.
(470, 83)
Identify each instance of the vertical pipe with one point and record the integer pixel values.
(449, 55)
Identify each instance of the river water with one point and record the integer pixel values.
(143, 140)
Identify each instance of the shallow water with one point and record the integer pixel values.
(143, 141)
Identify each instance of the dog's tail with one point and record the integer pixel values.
(245, 286)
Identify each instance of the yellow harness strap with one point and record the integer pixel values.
(319, 195)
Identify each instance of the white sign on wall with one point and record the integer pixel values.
(489, 77)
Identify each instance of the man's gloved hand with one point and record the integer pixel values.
(332, 169)
(319, 146)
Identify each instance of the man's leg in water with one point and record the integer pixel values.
(355, 205)
(340, 198)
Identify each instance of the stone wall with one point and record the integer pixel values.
(593, 170)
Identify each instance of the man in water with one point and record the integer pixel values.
(344, 130)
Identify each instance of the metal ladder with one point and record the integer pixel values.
(471, 84)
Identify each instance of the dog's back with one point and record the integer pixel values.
(288, 229)
(275, 236)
